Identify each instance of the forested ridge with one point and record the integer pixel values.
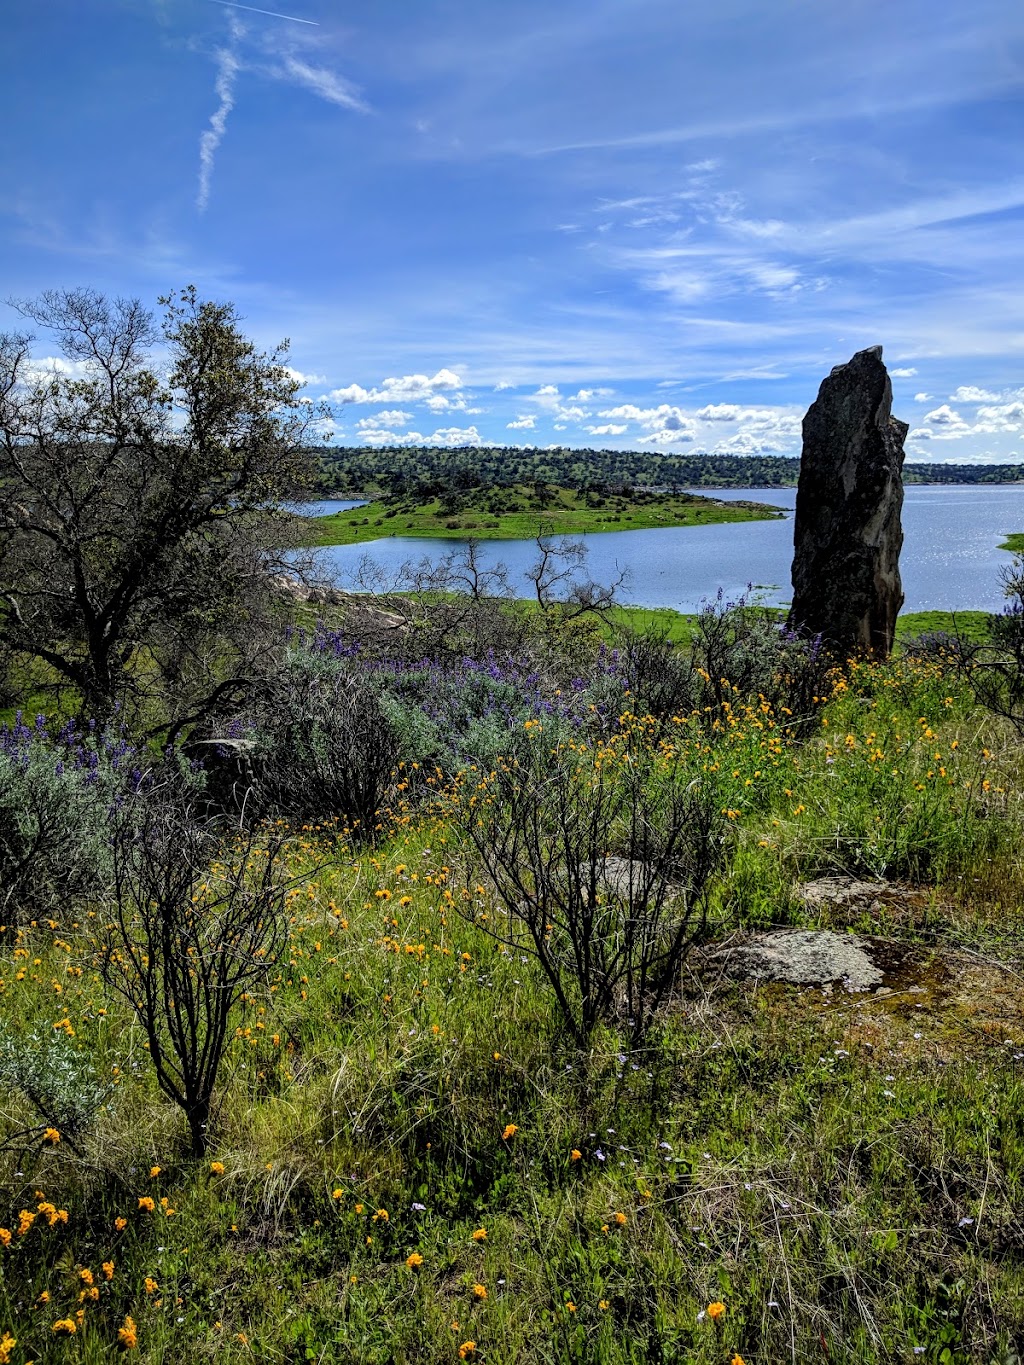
(430, 471)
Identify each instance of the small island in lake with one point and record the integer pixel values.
(521, 511)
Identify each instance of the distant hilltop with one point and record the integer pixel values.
(359, 471)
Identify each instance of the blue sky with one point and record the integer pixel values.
(619, 223)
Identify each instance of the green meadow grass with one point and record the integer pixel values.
(842, 1172)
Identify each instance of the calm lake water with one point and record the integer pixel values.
(950, 559)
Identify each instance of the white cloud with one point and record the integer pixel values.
(42, 368)
(455, 436)
(944, 416)
(585, 395)
(304, 379)
(381, 436)
(923, 397)
(503, 384)
(664, 417)
(1003, 417)
(667, 438)
(392, 417)
(719, 412)
(907, 373)
(438, 402)
(327, 84)
(968, 393)
(410, 388)
(609, 429)
(228, 66)
(525, 422)
(445, 436)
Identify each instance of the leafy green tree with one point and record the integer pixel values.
(141, 506)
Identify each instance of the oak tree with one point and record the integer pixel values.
(142, 500)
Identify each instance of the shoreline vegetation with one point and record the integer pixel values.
(521, 511)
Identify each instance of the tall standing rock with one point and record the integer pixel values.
(848, 534)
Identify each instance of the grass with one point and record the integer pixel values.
(843, 1173)
(1014, 542)
(678, 626)
(520, 512)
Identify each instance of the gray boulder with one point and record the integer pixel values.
(848, 534)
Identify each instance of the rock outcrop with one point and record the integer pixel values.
(848, 533)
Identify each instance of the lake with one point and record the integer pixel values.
(950, 559)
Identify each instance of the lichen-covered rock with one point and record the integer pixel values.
(848, 534)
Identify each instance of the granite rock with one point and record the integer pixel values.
(848, 533)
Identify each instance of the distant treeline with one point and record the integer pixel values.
(429, 471)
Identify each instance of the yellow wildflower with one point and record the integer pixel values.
(480, 1291)
(620, 1218)
(5, 1237)
(414, 1260)
(120, 1224)
(151, 1285)
(510, 1131)
(86, 1276)
(127, 1335)
(575, 1154)
(7, 1345)
(467, 1349)
(66, 1327)
(216, 1168)
(154, 1171)
(108, 1270)
(52, 1136)
(716, 1310)
(146, 1203)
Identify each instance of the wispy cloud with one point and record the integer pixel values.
(228, 66)
(327, 84)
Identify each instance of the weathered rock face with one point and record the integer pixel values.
(848, 534)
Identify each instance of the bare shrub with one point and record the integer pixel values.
(993, 665)
(661, 675)
(601, 858)
(325, 747)
(195, 925)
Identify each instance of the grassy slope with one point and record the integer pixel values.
(844, 1173)
(562, 512)
(1014, 542)
(678, 626)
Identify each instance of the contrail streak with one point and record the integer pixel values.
(227, 69)
(272, 12)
